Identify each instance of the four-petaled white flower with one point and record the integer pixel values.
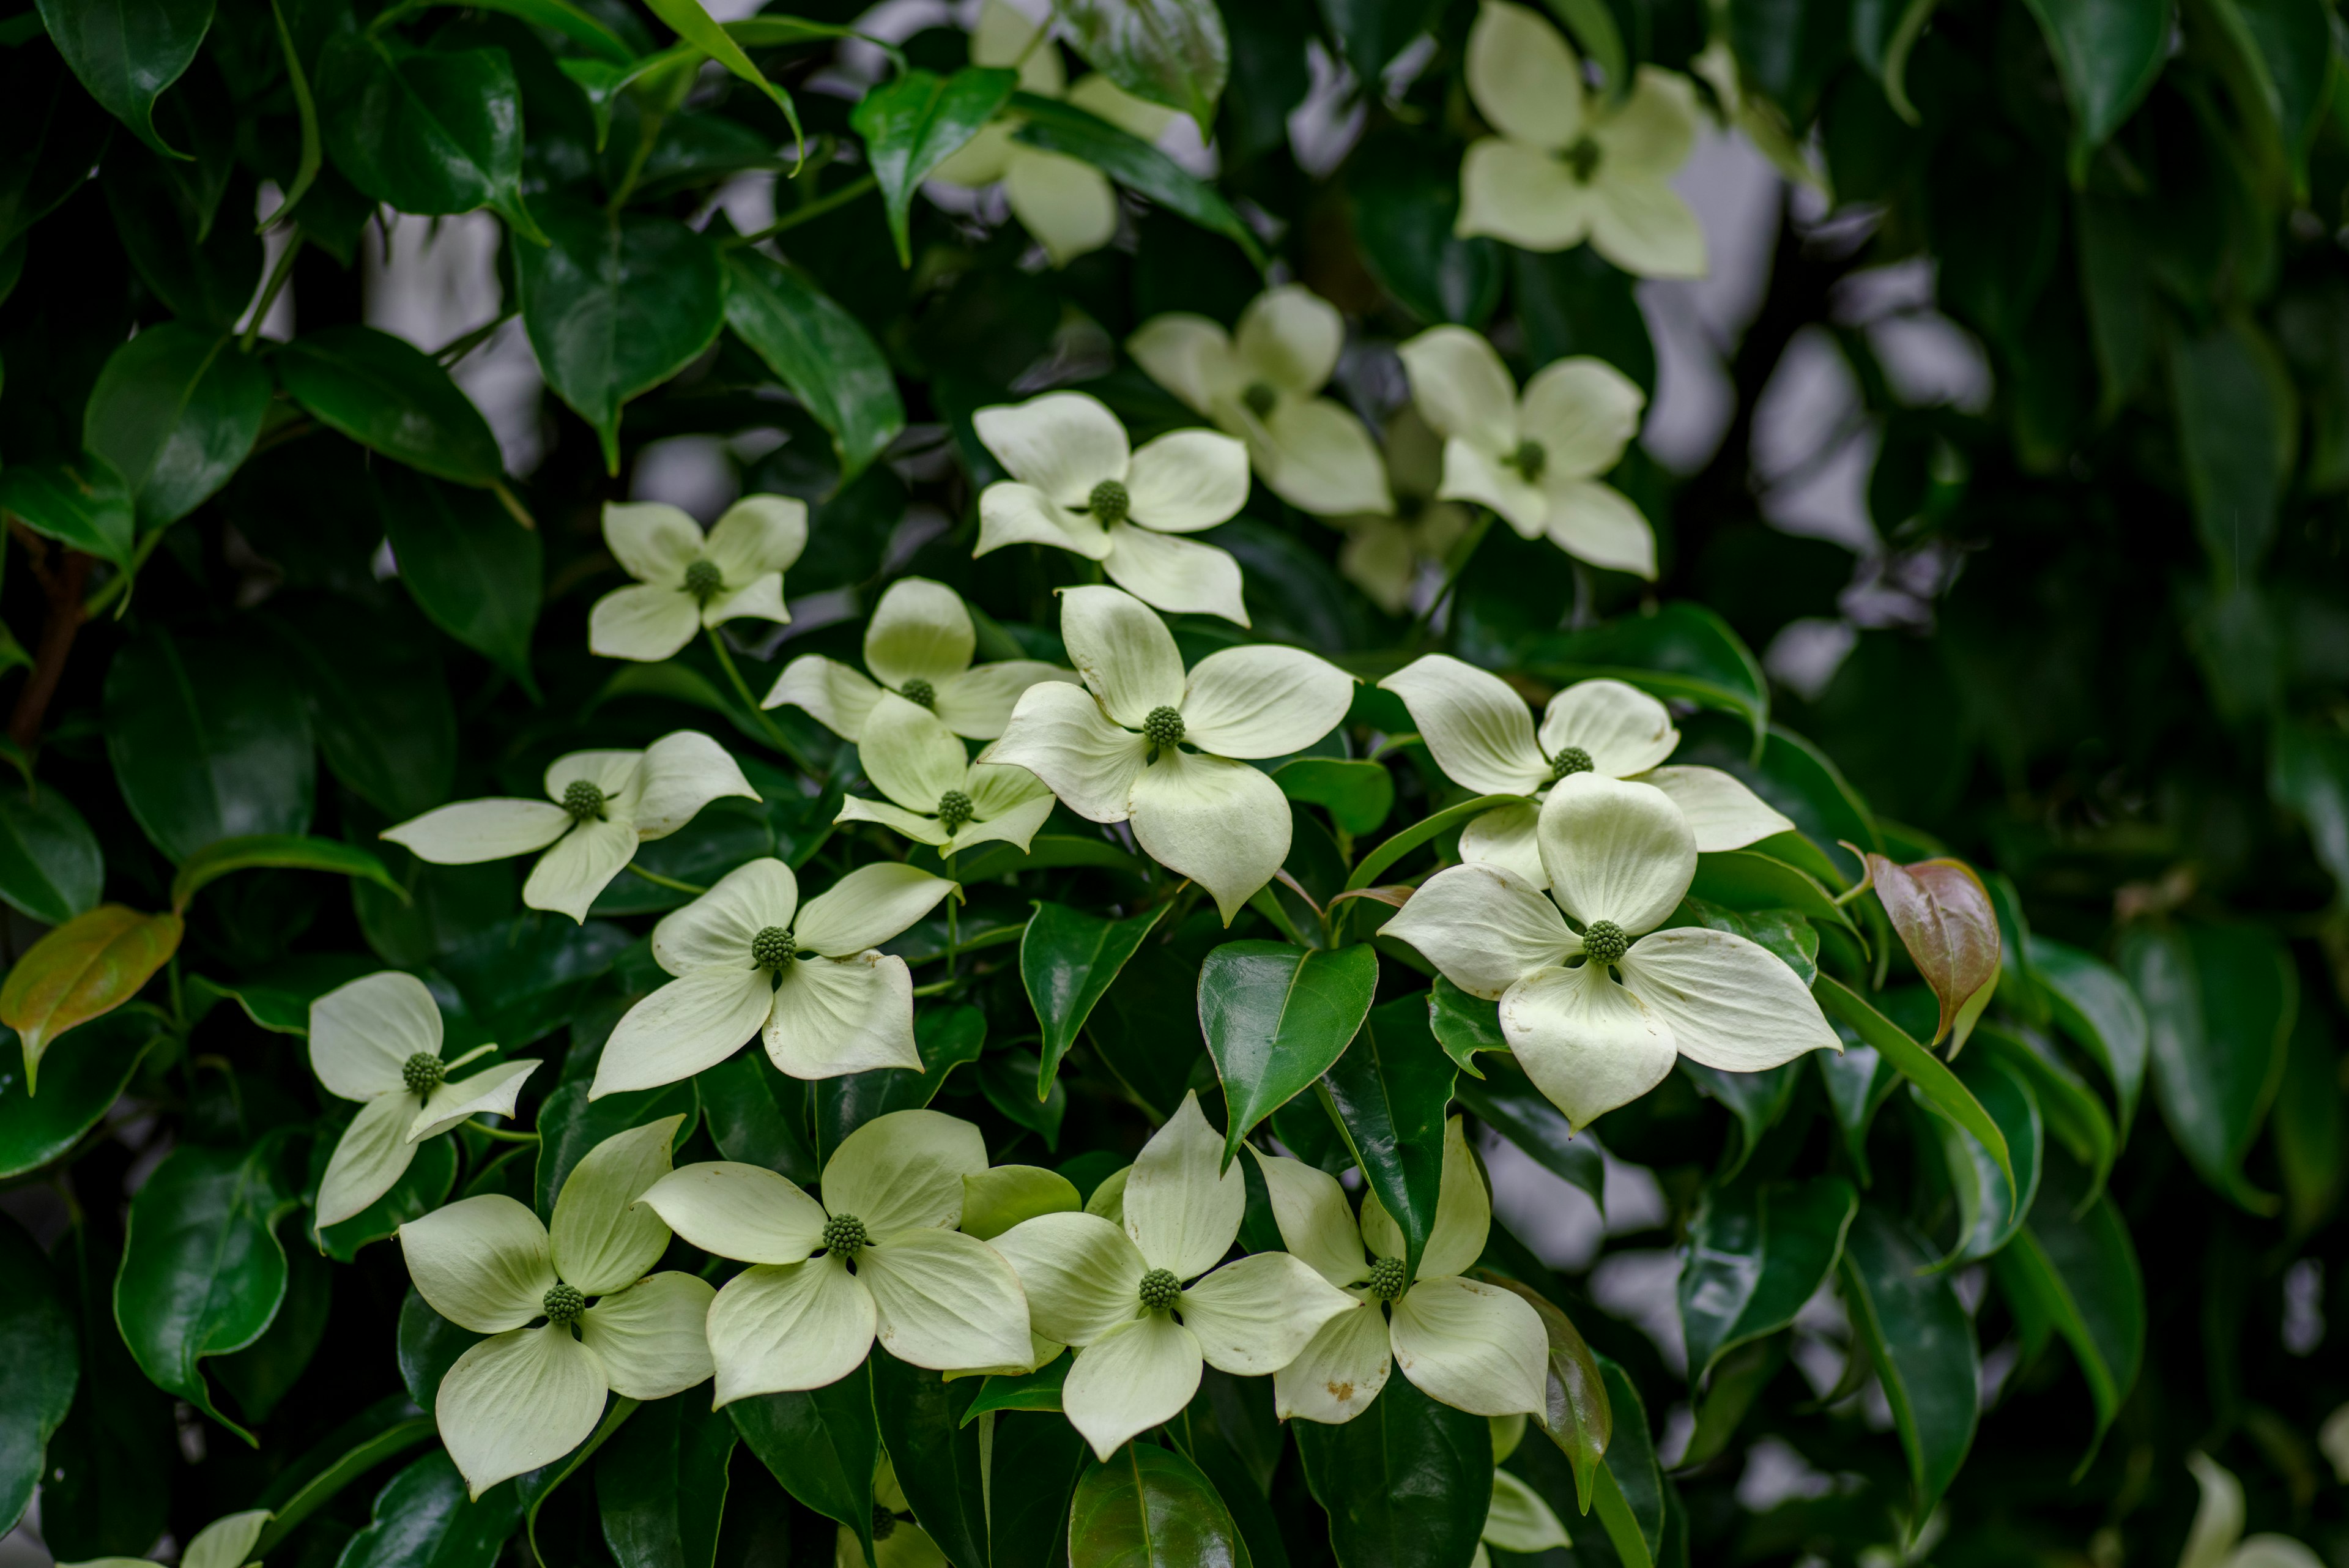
(894, 1266)
(1077, 485)
(378, 1041)
(917, 645)
(686, 582)
(1604, 1032)
(1533, 461)
(1067, 204)
(526, 1397)
(1132, 1298)
(600, 805)
(750, 958)
(225, 1542)
(1467, 1344)
(1481, 734)
(1567, 166)
(940, 796)
(1114, 749)
(1261, 384)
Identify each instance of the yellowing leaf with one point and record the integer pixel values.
(90, 965)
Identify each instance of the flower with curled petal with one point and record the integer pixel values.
(1131, 1296)
(1596, 1012)
(938, 796)
(1534, 460)
(1479, 732)
(751, 960)
(917, 645)
(1140, 741)
(1567, 166)
(1261, 383)
(600, 805)
(880, 1258)
(1077, 485)
(1469, 1345)
(378, 1041)
(527, 1395)
(686, 582)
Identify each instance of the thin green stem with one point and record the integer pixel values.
(1476, 533)
(954, 929)
(502, 1135)
(742, 690)
(451, 352)
(657, 881)
(119, 584)
(277, 276)
(805, 211)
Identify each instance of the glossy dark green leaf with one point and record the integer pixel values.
(1750, 882)
(1928, 1072)
(1463, 1026)
(721, 835)
(204, 271)
(1506, 1101)
(51, 133)
(1756, 1252)
(616, 304)
(2092, 1002)
(2219, 1001)
(524, 978)
(1014, 1082)
(209, 740)
(389, 395)
(1068, 961)
(1405, 1483)
(1406, 199)
(1391, 1090)
(428, 1345)
(79, 1083)
(2228, 423)
(570, 1124)
(1785, 934)
(423, 1519)
(1358, 795)
(1171, 52)
(1372, 32)
(259, 1377)
(127, 55)
(819, 352)
(914, 124)
(106, 1490)
(1990, 1206)
(1027, 1524)
(1146, 1028)
(175, 410)
(84, 505)
(1037, 1390)
(757, 1115)
(379, 1433)
(1681, 652)
(2080, 1270)
(2108, 53)
(1630, 1494)
(1577, 302)
(695, 24)
(1786, 49)
(947, 1037)
(40, 1366)
(821, 1444)
(2281, 47)
(939, 1461)
(660, 1483)
(50, 865)
(539, 1486)
(1276, 1017)
(1148, 1507)
(2308, 773)
(423, 130)
(1858, 1084)
(1577, 1412)
(1921, 1344)
(2311, 1126)
(1059, 127)
(2073, 1115)
(283, 851)
(471, 568)
(1758, 1101)
(379, 703)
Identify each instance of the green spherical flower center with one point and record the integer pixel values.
(703, 579)
(1582, 160)
(582, 800)
(1260, 399)
(1605, 942)
(884, 1523)
(955, 810)
(1109, 503)
(422, 1072)
(845, 1234)
(772, 948)
(563, 1304)
(1530, 458)
(1569, 760)
(919, 692)
(1164, 727)
(1386, 1280)
(1160, 1289)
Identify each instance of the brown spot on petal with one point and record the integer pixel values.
(1341, 1392)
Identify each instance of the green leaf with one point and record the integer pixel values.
(1027, 1524)
(1782, 932)
(1037, 1390)
(695, 26)
(2108, 53)
(209, 740)
(1928, 1072)
(1397, 845)
(917, 122)
(84, 1082)
(90, 965)
(202, 1272)
(1405, 194)
(1601, 41)
(285, 851)
(1391, 1090)
(660, 1483)
(382, 1431)
(1146, 1029)
(1756, 1252)
(422, 1520)
(175, 410)
(572, 21)
(570, 1124)
(2096, 1006)
(126, 55)
(1405, 1483)
(1921, 1343)
(425, 130)
(1463, 1026)
(51, 133)
(1991, 1207)
(1067, 960)
(524, 978)
(616, 304)
(1786, 49)
(537, 1486)
(2229, 429)
(1371, 33)
(1358, 795)
(2284, 58)
(2220, 1000)
(39, 1366)
(940, 1462)
(108, 1487)
(428, 1345)
(50, 865)
(821, 353)
(759, 1116)
(203, 271)
(1758, 1101)
(379, 703)
(2080, 1270)
(1630, 1489)
(1683, 651)
(2073, 1116)
(1507, 1102)
(1748, 881)
(2308, 773)
(821, 1444)
(1148, 1507)
(472, 570)
(1063, 128)
(1170, 52)
(259, 1376)
(85, 505)
(948, 1037)
(1577, 1414)
(1857, 1083)
(1276, 1017)
(392, 397)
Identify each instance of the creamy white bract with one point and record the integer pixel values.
(1385, 552)
(1597, 1015)
(1142, 743)
(686, 582)
(938, 796)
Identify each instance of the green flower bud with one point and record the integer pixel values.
(772, 948)
(1164, 727)
(422, 1072)
(1386, 1280)
(703, 579)
(919, 692)
(955, 810)
(845, 1234)
(563, 1304)
(1160, 1289)
(582, 800)
(1605, 942)
(1569, 760)
(1109, 502)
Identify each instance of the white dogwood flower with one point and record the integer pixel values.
(1131, 1298)
(1482, 735)
(1262, 384)
(751, 960)
(1066, 203)
(1603, 1032)
(918, 645)
(938, 796)
(378, 1041)
(1077, 485)
(893, 1265)
(1465, 1343)
(526, 1397)
(600, 805)
(1534, 460)
(1567, 166)
(686, 582)
(1140, 743)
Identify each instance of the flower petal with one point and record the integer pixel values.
(1464, 1214)
(896, 818)
(1062, 443)
(1476, 725)
(1722, 812)
(774, 1330)
(1005, 36)
(987, 157)
(979, 701)
(736, 1211)
(1598, 524)
(997, 792)
(652, 1337)
(945, 1301)
(1732, 1003)
(580, 866)
(904, 1172)
(1616, 851)
(1584, 412)
(1066, 203)
(1190, 356)
(1508, 837)
(997, 1199)
(762, 598)
(225, 1542)
(644, 621)
(1183, 1205)
(1460, 387)
(1588, 1044)
(373, 1153)
(1472, 1345)
(490, 1092)
(471, 831)
(833, 1017)
(1484, 927)
(1318, 457)
(1181, 577)
(1014, 513)
(691, 1023)
(518, 1401)
(682, 773)
(1523, 77)
(1290, 337)
(1187, 480)
(921, 630)
(1623, 728)
(757, 536)
(715, 929)
(1520, 1520)
(1081, 1274)
(835, 696)
(614, 773)
(653, 541)
(1252, 1317)
(1316, 1223)
(1652, 134)
(1139, 1375)
(483, 1263)
(911, 754)
(1471, 472)
(361, 1035)
(1223, 825)
(1516, 192)
(1644, 227)
(1381, 558)
(1263, 700)
(1340, 1371)
(1016, 824)
(1096, 94)
(604, 1239)
(868, 907)
(1123, 652)
(1058, 733)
